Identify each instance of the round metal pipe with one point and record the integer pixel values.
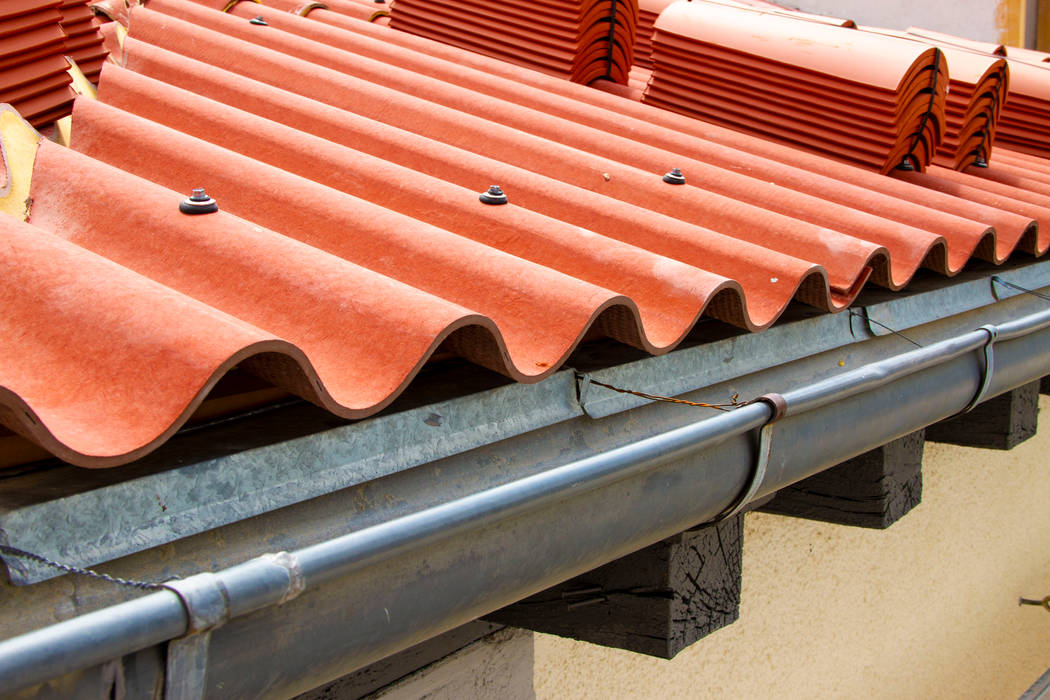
(336, 557)
(90, 639)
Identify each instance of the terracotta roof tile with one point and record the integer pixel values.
(978, 89)
(649, 11)
(1024, 119)
(357, 153)
(35, 36)
(582, 40)
(869, 99)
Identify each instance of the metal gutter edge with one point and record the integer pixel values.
(184, 489)
(660, 485)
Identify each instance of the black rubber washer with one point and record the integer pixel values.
(494, 196)
(188, 206)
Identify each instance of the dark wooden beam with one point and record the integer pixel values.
(873, 490)
(656, 601)
(1000, 423)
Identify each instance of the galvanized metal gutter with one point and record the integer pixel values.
(382, 588)
(87, 517)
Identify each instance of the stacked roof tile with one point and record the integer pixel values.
(350, 241)
(978, 88)
(83, 42)
(977, 91)
(872, 100)
(581, 40)
(649, 11)
(35, 38)
(33, 72)
(1025, 121)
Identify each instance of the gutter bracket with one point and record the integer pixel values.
(583, 385)
(207, 606)
(778, 406)
(988, 368)
(860, 313)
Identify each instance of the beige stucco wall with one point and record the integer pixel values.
(926, 609)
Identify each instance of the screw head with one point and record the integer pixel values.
(198, 203)
(494, 195)
(675, 177)
(907, 164)
(258, 19)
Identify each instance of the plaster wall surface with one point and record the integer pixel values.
(976, 19)
(925, 609)
(497, 666)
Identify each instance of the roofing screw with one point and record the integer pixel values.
(494, 195)
(258, 19)
(675, 177)
(198, 203)
(380, 1)
(981, 161)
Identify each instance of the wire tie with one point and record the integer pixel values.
(1017, 287)
(68, 568)
(867, 317)
(584, 381)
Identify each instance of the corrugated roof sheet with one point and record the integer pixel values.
(350, 242)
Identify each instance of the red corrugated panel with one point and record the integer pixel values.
(718, 149)
(350, 242)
